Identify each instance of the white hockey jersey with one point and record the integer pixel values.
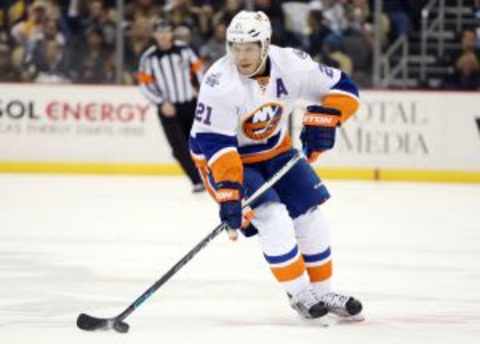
(246, 118)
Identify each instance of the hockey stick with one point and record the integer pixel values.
(90, 323)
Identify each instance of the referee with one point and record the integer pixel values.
(167, 74)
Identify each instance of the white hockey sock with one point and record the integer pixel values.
(313, 237)
(276, 235)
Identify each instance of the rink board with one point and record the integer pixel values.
(397, 135)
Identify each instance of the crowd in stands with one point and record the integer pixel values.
(466, 64)
(74, 41)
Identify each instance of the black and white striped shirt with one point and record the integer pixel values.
(167, 75)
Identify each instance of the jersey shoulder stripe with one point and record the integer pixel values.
(346, 84)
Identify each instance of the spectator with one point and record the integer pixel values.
(26, 31)
(110, 71)
(215, 47)
(98, 18)
(12, 11)
(333, 56)
(137, 41)
(477, 32)
(476, 9)
(51, 64)
(465, 64)
(468, 44)
(52, 32)
(49, 32)
(359, 9)
(144, 8)
(231, 8)
(467, 73)
(334, 14)
(3, 16)
(92, 65)
(24, 73)
(319, 31)
(7, 72)
(181, 13)
(397, 11)
(184, 34)
(358, 45)
(215, 5)
(186, 12)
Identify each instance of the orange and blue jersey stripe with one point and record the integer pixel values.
(344, 97)
(220, 153)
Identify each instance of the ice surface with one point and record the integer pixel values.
(71, 244)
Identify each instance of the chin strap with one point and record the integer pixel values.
(260, 66)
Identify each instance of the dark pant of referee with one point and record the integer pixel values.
(177, 130)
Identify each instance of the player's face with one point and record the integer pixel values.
(247, 57)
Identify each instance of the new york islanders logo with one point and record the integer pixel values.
(262, 123)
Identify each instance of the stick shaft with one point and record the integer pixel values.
(193, 252)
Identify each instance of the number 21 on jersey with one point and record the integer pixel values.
(203, 113)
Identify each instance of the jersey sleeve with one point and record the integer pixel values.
(196, 64)
(332, 87)
(146, 81)
(214, 134)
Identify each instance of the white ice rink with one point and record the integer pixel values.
(69, 244)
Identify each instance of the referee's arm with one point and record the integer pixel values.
(147, 82)
(196, 65)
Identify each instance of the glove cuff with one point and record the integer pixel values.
(228, 191)
(320, 116)
(323, 110)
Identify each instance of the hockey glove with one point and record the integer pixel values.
(229, 195)
(319, 128)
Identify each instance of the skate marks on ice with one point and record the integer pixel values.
(295, 321)
(38, 291)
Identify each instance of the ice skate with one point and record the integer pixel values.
(307, 305)
(341, 305)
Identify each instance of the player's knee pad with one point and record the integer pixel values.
(312, 231)
(275, 228)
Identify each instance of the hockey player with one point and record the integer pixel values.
(239, 139)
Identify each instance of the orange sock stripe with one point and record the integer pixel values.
(289, 272)
(320, 273)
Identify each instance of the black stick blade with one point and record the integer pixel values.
(89, 323)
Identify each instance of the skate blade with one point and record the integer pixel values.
(317, 322)
(348, 319)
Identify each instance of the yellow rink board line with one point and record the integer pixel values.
(175, 170)
(90, 168)
(430, 176)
